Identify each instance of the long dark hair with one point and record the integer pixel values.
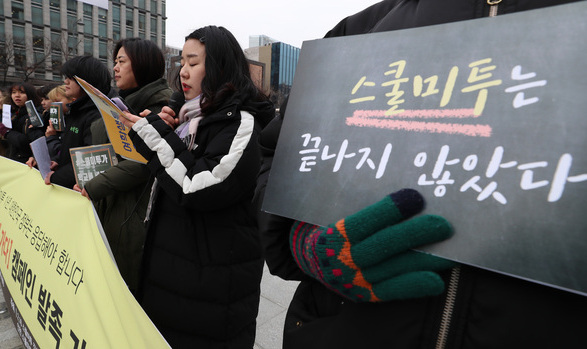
(226, 68)
(147, 60)
(28, 89)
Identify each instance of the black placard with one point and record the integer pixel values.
(486, 118)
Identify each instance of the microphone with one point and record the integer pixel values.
(176, 101)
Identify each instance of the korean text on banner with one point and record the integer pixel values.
(61, 283)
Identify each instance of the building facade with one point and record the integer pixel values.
(37, 36)
(260, 40)
(262, 55)
(280, 62)
(284, 60)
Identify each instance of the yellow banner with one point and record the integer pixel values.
(66, 290)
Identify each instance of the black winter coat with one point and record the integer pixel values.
(203, 257)
(479, 309)
(121, 193)
(21, 135)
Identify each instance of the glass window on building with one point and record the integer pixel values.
(130, 3)
(38, 38)
(40, 2)
(102, 14)
(18, 10)
(88, 10)
(142, 4)
(115, 13)
(142, 22)
(129, 33)
(115, 32)
(129, 17)
(56, 62)
(39, 61)
(71, 5)
(19, 57)
(88, 46)
(18, 34)
(142, 34)
(102, 29)
(55, 19)
(55, 41)
(72, 42)
(102, 50)
(37, 13)
(71, 23)
(153, 24)
(54, 3)
(153, 6)
(87, 25)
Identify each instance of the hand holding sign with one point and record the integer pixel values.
(3, 130)
(366, 256)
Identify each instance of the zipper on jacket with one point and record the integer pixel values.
(451, 295)
(493, 4)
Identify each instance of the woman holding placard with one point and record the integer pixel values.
(82, 112)
(53, 132)
(20, 134)
(121, 193)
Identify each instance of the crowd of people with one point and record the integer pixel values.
(190, 240)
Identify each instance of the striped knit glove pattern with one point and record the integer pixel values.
(367, 256)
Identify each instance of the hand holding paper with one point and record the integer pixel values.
(129, 119)
(6, 115)
(41, 156)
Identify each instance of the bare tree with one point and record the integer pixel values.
(63, 45)
(6, 56)
(29, 68)
(279, 95)
(44, 48)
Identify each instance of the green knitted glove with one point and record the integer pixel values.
(366, 256)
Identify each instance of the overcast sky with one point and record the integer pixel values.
(288, 21)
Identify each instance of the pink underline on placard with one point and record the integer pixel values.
(378, 119)
(419, 113)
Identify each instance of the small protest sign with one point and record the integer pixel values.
(88, 162)
(33, 114)
(56, 116)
